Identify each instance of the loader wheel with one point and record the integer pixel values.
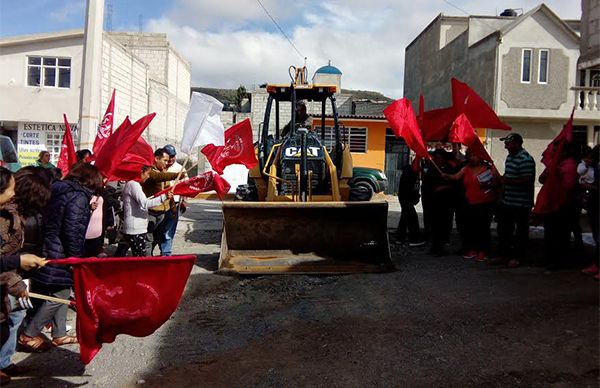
(361, 191)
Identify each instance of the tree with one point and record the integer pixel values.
(240, 95)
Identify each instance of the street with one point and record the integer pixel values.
(436, 321)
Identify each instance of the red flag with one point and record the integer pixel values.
(565, 136)
(462, 132)
(67, 156)
(435, 124)
(402, 118)
(119, 144)
(141, 154)
(200, 184)
(238, 148)
(124, 295)
(479, 113)
(105, 129)
(552, 195)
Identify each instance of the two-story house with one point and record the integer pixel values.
(524, 66)
(41, 78)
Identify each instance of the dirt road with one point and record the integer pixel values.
(440, 321)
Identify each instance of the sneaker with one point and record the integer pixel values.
(470, 255)
(480, 257)
(513, 263)
(416, 244)
(591, 270)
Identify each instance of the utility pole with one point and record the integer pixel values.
(91, 74)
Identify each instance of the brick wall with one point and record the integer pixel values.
(149, 76)
(128, 76)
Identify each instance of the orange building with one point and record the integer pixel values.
(373, 144)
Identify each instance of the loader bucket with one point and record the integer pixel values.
(305, 237)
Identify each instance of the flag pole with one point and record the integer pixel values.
(187, 159)
(51, 298)
(436, 166)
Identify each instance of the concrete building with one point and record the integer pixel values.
(40, 79)
(588, 64)
(524, 66)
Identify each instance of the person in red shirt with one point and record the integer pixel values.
(557, 231)
(479, 180)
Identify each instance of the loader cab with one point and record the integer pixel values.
(272, 127)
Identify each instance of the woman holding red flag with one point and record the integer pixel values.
(135, 213)
(561, 180)
(479, 180)
(66, 220)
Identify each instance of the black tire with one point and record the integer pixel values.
(361, 191)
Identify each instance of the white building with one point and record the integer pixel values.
(40, 79)
(524, 66)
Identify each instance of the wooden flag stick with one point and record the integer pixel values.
(51, 298)
(436, 166)
(187, 159)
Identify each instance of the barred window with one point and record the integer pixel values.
(49, 72)
(355, 137)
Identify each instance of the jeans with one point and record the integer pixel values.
(167, 232)
(10, 346)
(48, 312)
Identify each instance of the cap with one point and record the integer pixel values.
(170, 150)
(512, 137)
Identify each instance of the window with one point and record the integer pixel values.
(543, 70)
(54, 144)
(49, 72)
(356, 137)
(526, 67)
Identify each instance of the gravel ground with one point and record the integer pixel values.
(436, 321)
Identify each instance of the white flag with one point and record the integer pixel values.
(203, 123)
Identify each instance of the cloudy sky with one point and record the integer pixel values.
(233, 42)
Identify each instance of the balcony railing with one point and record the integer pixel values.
(587, 98)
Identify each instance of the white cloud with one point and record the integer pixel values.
(68, 10)
(233, 42)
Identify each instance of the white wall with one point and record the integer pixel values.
(129, 77)
(19, 102)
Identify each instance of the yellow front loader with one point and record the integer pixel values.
(300, 211)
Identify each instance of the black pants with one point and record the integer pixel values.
(442, 222)
(94, 246)
(139, 244)
(513, 230)
(4, 331)
(557, 235)
(409, 221)
(592, 211)
(477, 236)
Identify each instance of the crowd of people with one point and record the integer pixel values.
(44, 215)
(464, 190)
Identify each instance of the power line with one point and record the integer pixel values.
(468, 14)
(280, 29)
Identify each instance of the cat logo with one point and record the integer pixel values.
(294, 152)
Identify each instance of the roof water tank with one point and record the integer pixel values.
(509, 12)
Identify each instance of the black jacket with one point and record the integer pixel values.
(66, 219)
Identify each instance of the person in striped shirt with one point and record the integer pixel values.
(516, 201)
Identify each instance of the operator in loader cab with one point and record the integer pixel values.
(303, 120)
